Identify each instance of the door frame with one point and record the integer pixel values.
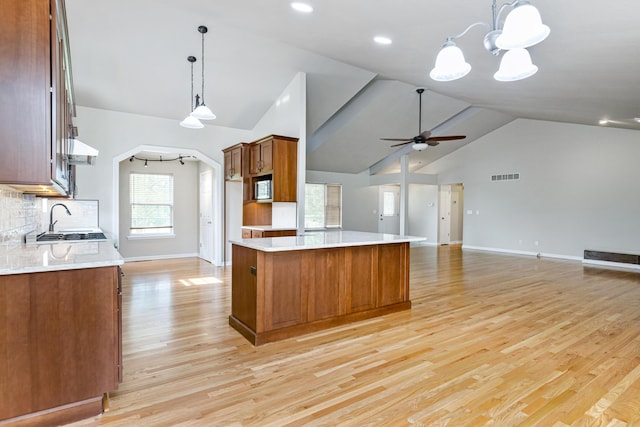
(206, 174)
(444, 214)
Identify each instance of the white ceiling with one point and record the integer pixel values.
(130, 56)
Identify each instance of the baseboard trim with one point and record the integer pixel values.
(610, 264)
(525, 253)
(158, 257)
(423, 243)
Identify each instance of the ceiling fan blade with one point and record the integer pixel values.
(403, 143)
(446, 138)
(396, 139)
(426, 134)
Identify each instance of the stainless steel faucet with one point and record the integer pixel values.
(51, 221)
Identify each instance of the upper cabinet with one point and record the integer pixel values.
(36, 100)
(234, 159)
(275, 158)
(261, 157)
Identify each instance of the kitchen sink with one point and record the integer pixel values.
(71, 237)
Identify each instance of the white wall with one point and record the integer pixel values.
(232, 215)
(288, 117)
(115, 133)
(185, 212)
(577, 188)
(359, 199)
(423, 212)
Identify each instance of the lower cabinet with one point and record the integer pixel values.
(60, 341)
(277, 295)
(248, 233)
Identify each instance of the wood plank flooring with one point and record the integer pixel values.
(490, 340)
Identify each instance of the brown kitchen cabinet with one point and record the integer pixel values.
(261, 157)
(281, 294)
(274, 158)
(36, 108)
(62, 342)
(233, 162)
(257, 234)
(283, 166)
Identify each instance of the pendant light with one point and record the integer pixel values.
(201, 111)
(190, 121)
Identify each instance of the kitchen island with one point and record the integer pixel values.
(60, 331)
(288, 286)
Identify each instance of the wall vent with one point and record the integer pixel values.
(505, 177)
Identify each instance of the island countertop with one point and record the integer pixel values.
(57, 256)
(323, 239)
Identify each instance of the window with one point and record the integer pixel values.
(151, 198)
(323, 206)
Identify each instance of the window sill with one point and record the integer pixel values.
(150, 236)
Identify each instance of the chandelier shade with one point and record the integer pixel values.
(450, 64)
(515, 65)
(522, 28)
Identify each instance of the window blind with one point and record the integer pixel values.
(151, 199)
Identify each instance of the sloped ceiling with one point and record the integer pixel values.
(130, 56)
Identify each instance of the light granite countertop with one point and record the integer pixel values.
(34, 258)
(323, 239)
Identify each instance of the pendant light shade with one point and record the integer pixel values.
(450, 64)
(515, 65)
(191, 122)
(523, 27)
(202, 112)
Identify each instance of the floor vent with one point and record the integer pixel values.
(505, 177)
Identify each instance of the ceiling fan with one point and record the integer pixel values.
(423, 139)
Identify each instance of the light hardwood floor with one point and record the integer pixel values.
(491, 340)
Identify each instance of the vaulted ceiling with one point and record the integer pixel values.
(130, 56)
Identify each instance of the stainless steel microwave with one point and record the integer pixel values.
(264, 190)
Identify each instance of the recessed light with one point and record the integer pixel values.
(636, 119)
(302, 7)
(603, 121)
(382, 40)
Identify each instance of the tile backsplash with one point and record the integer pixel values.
(18, 215)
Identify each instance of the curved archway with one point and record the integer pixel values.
(218, 247)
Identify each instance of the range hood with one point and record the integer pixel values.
(81, 153)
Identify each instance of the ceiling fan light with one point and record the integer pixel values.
(419, 146)
(191, 123)
(522, 28)
(450, 64)
(202, 112)
(515, 65)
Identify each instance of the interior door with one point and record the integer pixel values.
(389, 209)
(206, 215)
(444, 232)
